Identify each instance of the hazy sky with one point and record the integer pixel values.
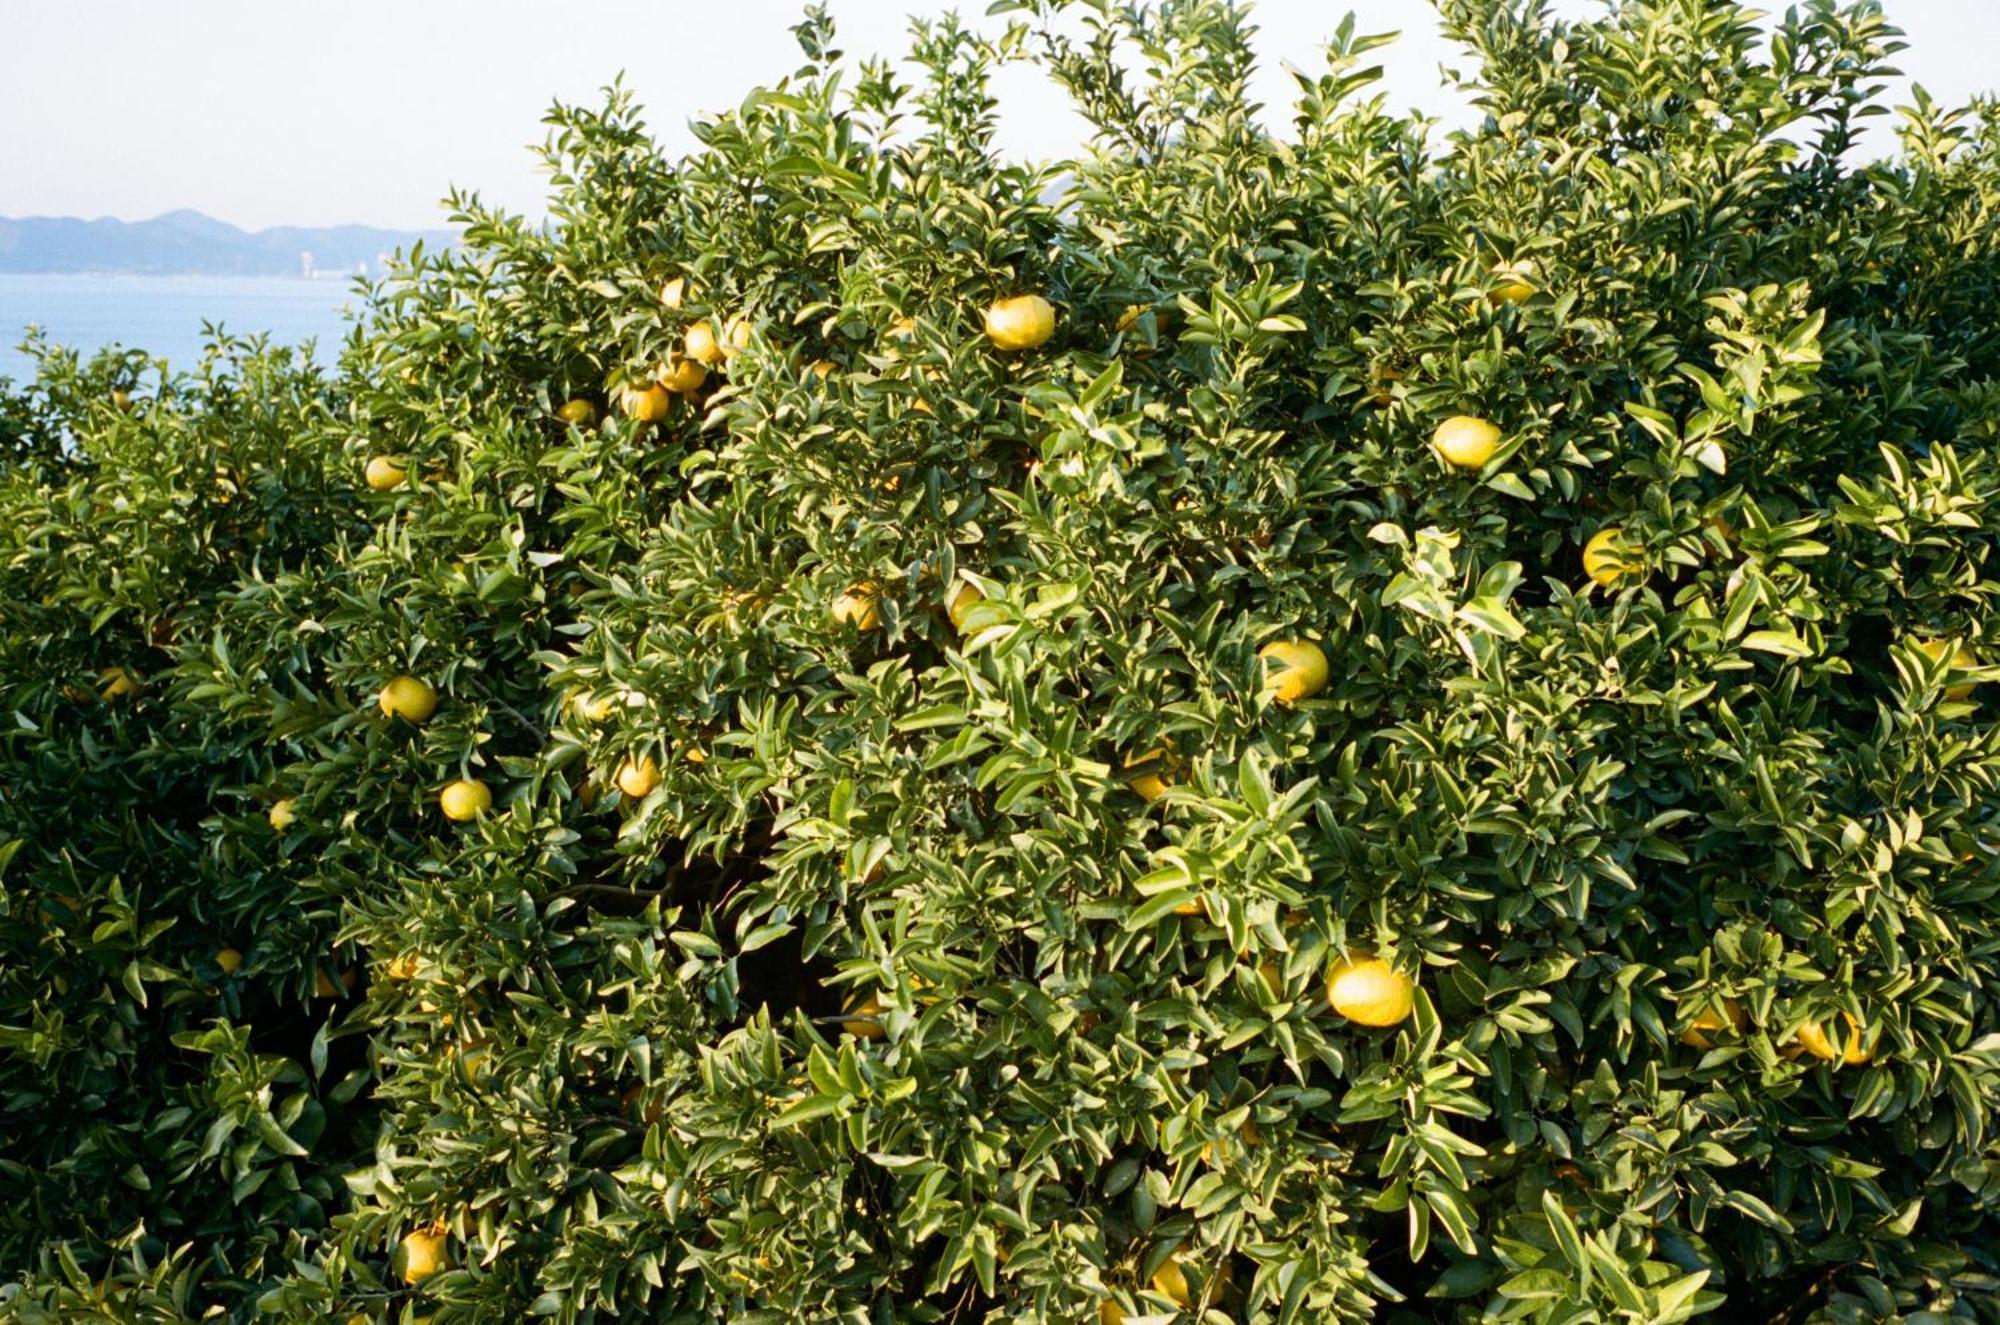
(266, 112)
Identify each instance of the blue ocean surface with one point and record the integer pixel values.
(163, 315)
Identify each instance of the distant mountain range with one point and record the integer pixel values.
(186, 243)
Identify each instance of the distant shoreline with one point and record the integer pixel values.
(108, 273)
(187, 243)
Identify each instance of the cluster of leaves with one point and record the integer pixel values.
(884, 620)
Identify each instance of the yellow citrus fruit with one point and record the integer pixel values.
(1170, 1280)
(1515, 281)
(1465, 442)
(1294, 669)
(1856, 1045)
(118, 683)
(121, 399)
(821, 368)
(1273, 977)
(1248, 1134)
(1382, 381)
(1110, 1313)
(735, 337)
(903, 328)
(403, 966)
(328, 986)
(464, 799)
(592, 708)
(383, 474)
(861, 605)
(229, 959)
(1020, 323)
(1608, 559)
(674, 292)
(963, 600)
(1367, 990)
(740, 598)
(647, 404)
(637, 777)
(473, 1058)
(282, 814)
(1961, 658)
(578, 411)
(1130, 317)
(422, 1255)
(1150, 774)
(1708, 1021)
(863, 1018)
(699, 344)
(407, 698)
(683, 375)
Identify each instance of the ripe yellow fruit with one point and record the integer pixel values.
(1382, 381)
(325, 986)
(963, 600)
(1708, 1021)
(860, 605)
(1170, 1280)
(821, 368)
(683, 375)
(229, 959)
(592, 708)
(1110, 1313)
(422, 1255)
(1608, 559)
(699, 344)
(1294, 669)
(383, 474)
(473, 1058)
(282, 814)
(1273, 977)
(403, 966)
(735, 337)
(1465, 442)
(903, 328)
(118, 683)
(647, 404)
(745, 599)
(578, 411)
(1248, 1134)
(1855, 1048)
(1515, 285)
(407, 698)
(637, 777)
(464, 799)
(674, 292)
(863, 1018)
(1150, 774)
(1367, 990)
(1020, 323)
(121, 400)
(1961, 658)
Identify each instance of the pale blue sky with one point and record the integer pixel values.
(267, 112)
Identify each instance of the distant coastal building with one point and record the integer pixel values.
(310, 269)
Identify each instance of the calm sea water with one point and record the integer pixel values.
(163, 315)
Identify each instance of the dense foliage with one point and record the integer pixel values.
(904, 896)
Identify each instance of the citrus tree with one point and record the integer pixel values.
(1340, 724)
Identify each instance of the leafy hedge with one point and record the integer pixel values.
(906, 896)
